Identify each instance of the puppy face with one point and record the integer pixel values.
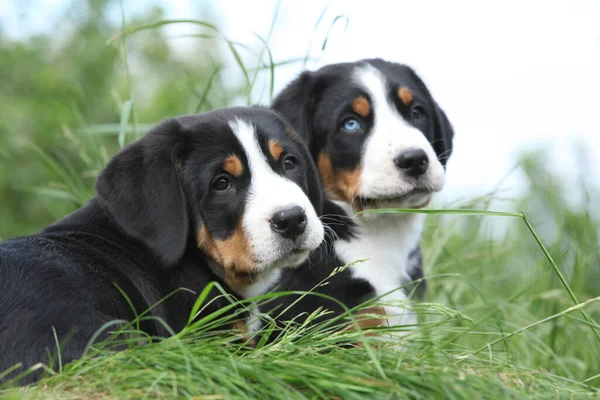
(378, 137)
(247, 187)
(250, 187)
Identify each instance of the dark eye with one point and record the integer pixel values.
(351, 125)
(221, 184)
(290, 162)
(417, 112)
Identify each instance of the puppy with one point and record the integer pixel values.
(380, 141)
(228, 196)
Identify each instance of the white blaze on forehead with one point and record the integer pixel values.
(263, 179)
(390, 135)
(246, 134)
(270, 193)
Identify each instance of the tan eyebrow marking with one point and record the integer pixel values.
(361, 106)
(233, 165)
(342, 184)
(405, 95)
(275, 148)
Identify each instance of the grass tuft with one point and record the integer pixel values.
(502, 317)
(198, 363)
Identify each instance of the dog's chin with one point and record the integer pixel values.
(294, 259)
(291, 258)
(414, 199)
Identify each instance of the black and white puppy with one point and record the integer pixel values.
(227, 196)
(380, 141)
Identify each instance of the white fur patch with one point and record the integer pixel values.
(390, 136)
(270, 193)
(254, 321)
(262, 285)
(386, 240)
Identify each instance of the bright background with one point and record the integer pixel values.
(520, 82)
(513, 76)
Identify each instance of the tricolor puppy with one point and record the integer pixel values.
(228, 196)
(380, 141)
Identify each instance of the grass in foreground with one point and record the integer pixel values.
(492, 286)
(503, 320)
(307, 363)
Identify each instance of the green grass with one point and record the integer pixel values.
(503, 320)
(311, 363)
(508, 315)
(201, 367)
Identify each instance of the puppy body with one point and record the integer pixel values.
(64, 281)
(380, 141)
(190, 203)
(385, 245)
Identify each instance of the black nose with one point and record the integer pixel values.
(413, 162)
(289, 223)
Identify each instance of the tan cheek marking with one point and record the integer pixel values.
(275, 149)
(179, 163)
(405, 95)
(361, 107)
(232, 254)
(326, 173)
(206, 243)
(341, 185)
(233, 165)
(366, 318)
(241, 329)
(371, 317)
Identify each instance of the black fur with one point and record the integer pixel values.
(136, 236)
(315, 103)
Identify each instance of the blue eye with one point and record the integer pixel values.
(351, 125)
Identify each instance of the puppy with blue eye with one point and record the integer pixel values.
(230, 196)
(380, 140)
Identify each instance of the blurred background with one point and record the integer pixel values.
(518, 80)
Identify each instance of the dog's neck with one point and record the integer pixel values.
(371, 224)
(259, 286)
(385, 241)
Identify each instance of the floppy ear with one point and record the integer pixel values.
(443, 132)
(140, 188)
(295, 104)
(315, 190)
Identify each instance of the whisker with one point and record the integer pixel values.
(327, 245)
(332, 221)
(337, 216)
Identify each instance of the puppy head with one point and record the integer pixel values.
(379, 138)
(235, 182)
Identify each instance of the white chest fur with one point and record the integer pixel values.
(386, 241)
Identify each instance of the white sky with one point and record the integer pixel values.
(511, 75)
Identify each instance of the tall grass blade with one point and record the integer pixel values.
(124, 121)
